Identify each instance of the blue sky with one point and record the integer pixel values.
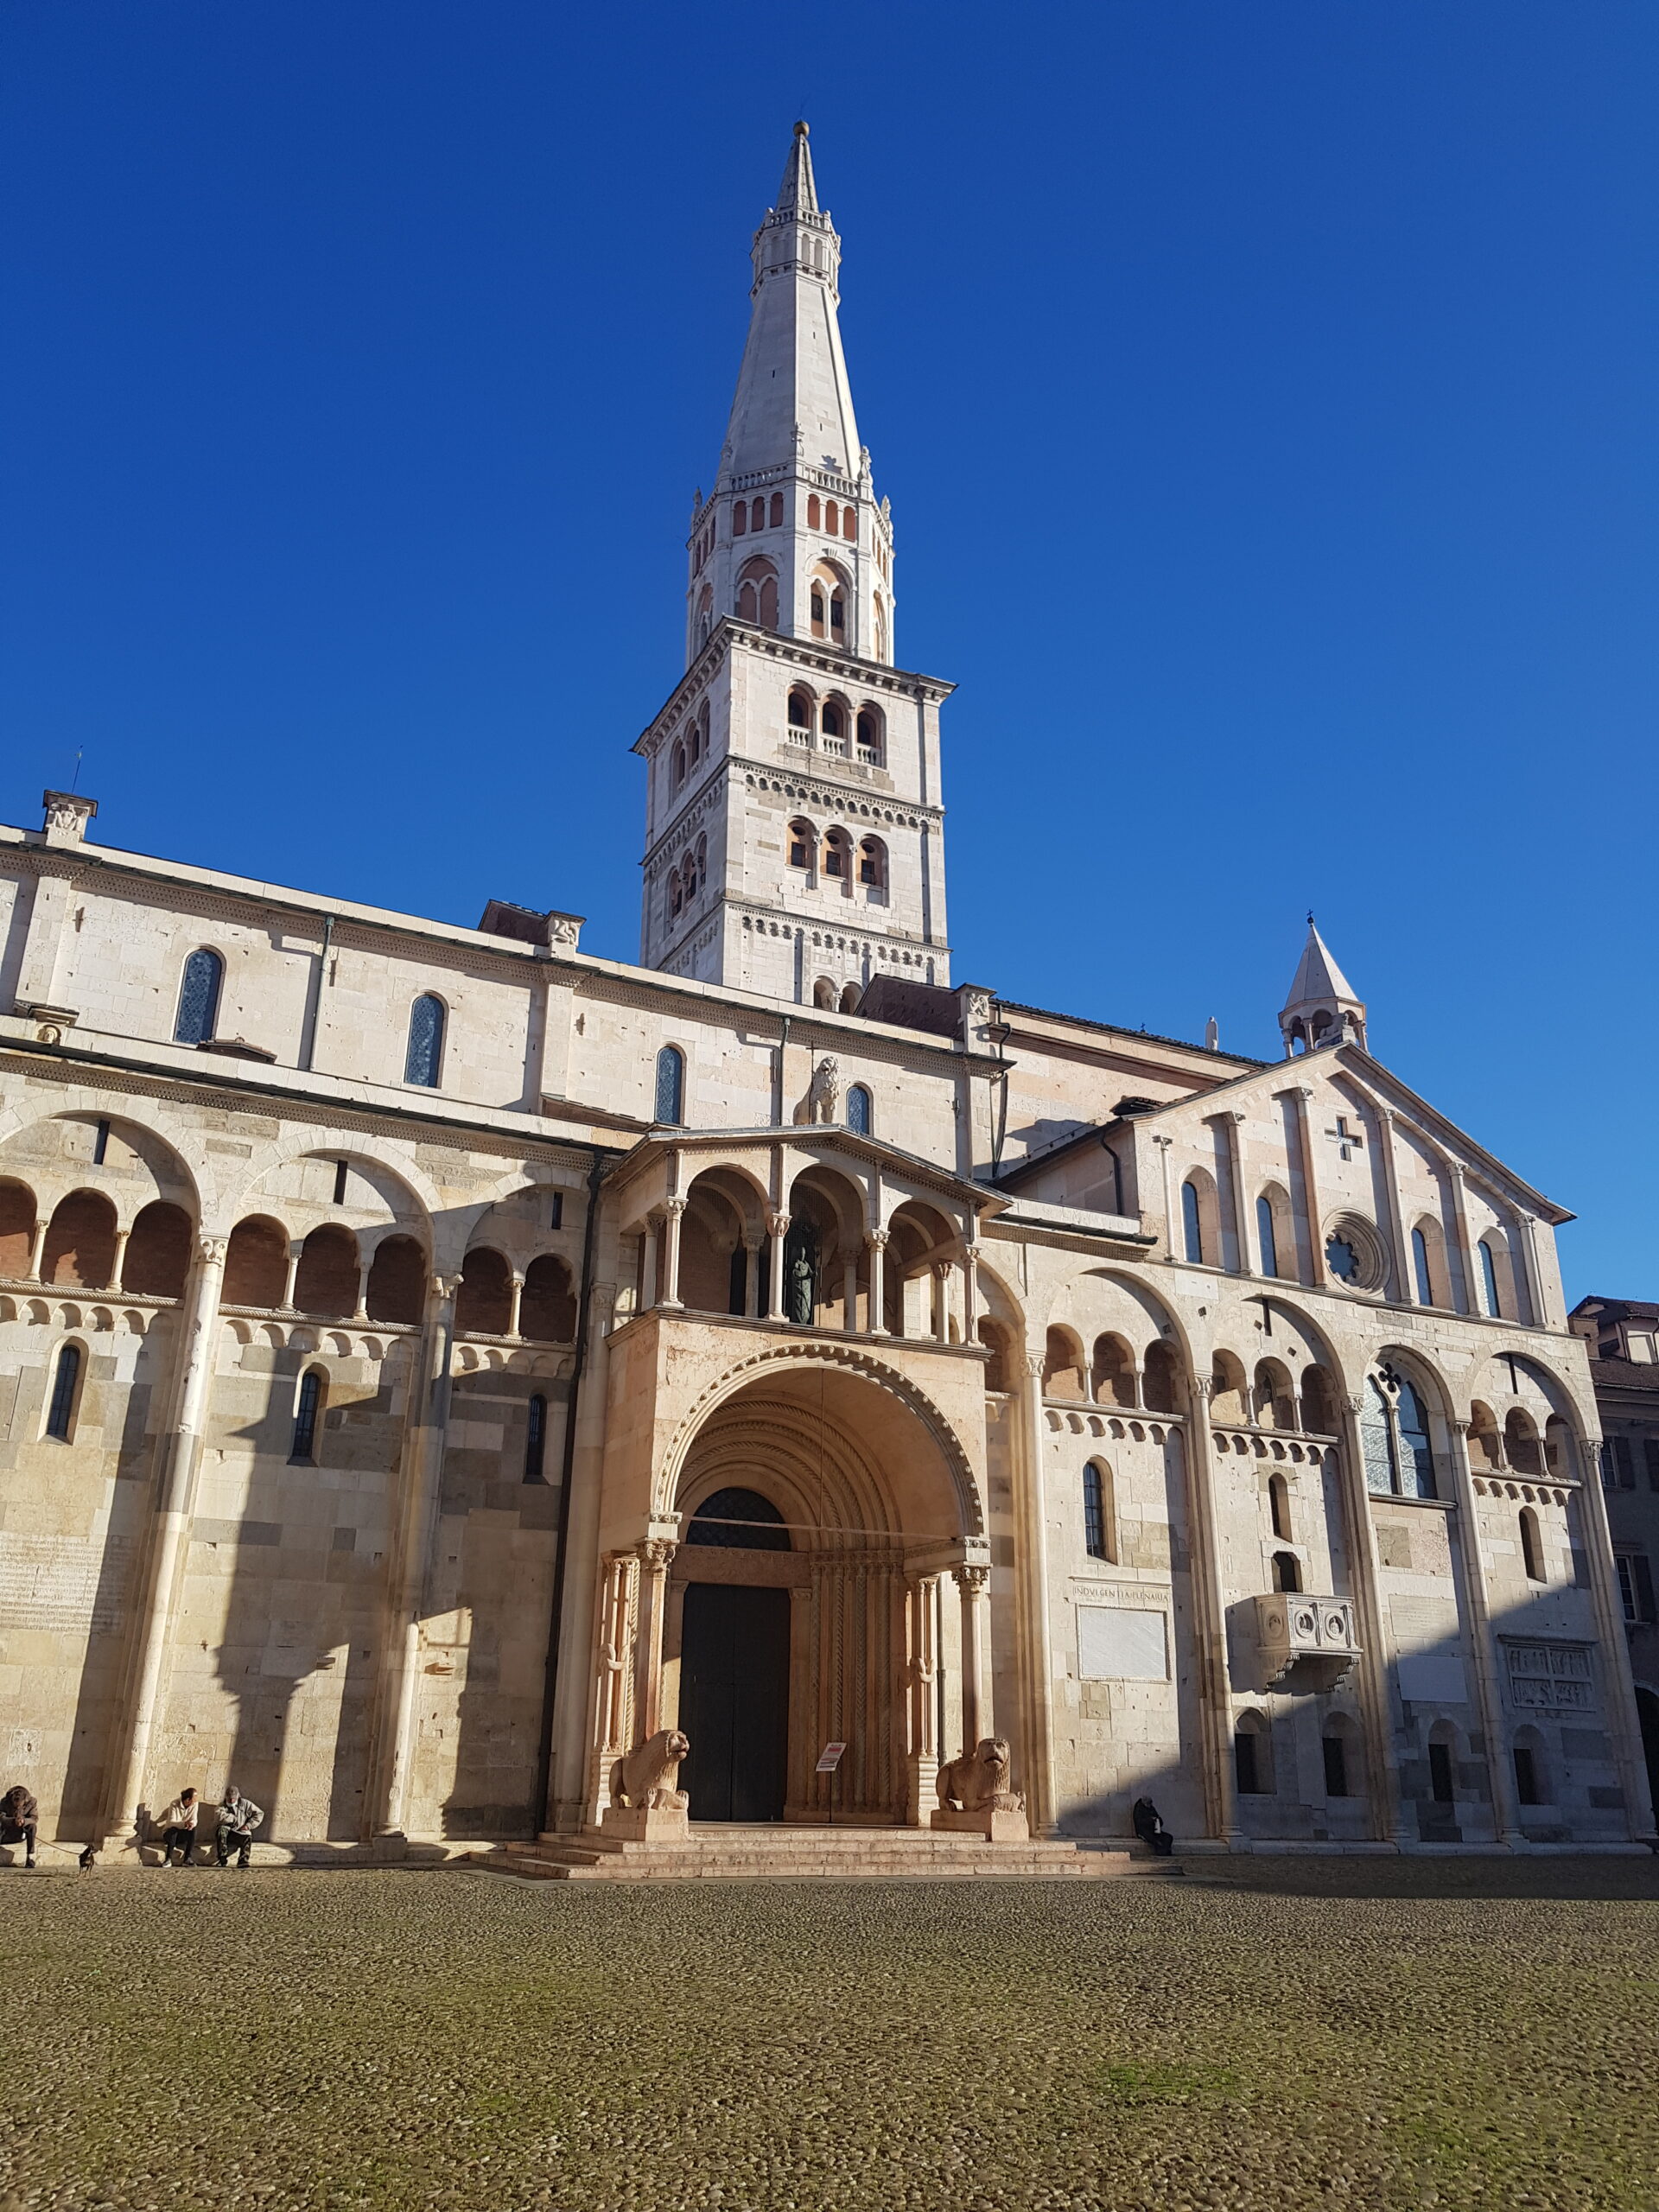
(1266, 395)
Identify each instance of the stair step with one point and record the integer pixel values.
(738, 1854)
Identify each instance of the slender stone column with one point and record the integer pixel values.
(654, 1557)
(877, 1241)
(1506, 1813)
(289, 1278)
(1301, 1096)
(648, 1279)
(178, 1461)
(938, 1312)
(37, 1250)
(971, 1294)
(1399, 1227)
(777, 1230)
(674, 1210)
(1534, 1273)
(1036, 1668)
(1172, 1249)
(120, 1267)
(1387, 1813)
(849, 1294)
(1619, 1686)
(614, 1683)
(751, 1277)
(362, 1311)
(1210, 1619)
(517, 1302)
(1233, 1124)
(426, 1431)
(1462, 1239)
(922, 1675)
(974, 1584)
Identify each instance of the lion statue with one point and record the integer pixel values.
(644, 1778)
(823, 1091)
(978, 1781)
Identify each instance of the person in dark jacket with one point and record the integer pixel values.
(20, 1817)
(1149, 1827)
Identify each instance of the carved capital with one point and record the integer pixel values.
(447, 1287)
(1354, 1402)
(213, 1249)
(1202, 1386)
(1162, 1141)
(777, 1224)
(1035, 1363)
(656, 1554)
(877, 1239)
(1458, 1427)
(971, 1580)
(674, 1207)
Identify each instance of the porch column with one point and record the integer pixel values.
(518, 1301)
(970, 1293)
(974, 1584)
(1506, 1815)
(120, 1267)
(938, 1316)
(648, 1276)
(751, 1277)
(654, 1557)
(1387, 1814)
(361, 1311)
(178, 1458)
(877, 1243)
(426, 1433)
(850, 1294)
(922, 1668)
(675, 1209)
(37, 1250)
(289, 1278)
(611, 1730)
(777, 1230)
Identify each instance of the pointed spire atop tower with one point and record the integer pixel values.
(798, 194)
(1323, 1007)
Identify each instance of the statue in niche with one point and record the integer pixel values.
(801, 1273)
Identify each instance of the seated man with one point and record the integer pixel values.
(1149, 1827)
(179, 1828)
(20, 1817)
(239, 1816)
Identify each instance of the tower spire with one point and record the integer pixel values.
(1323, 1007)
(799, 193)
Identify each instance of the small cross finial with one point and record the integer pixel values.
(1310, 918)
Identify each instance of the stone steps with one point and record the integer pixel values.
(738, 1853)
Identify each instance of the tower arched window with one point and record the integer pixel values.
(870, 736)
(837, 617)
(1287, 1571)
(1193, 1223)
(777, 510)
(838, 856)
(1267, 1237)
(307, 1412)
(849, 524)
(1532, 1549)
(758, 515)
(872, 863)
(800, 845)
(817, 605)
(757, 594)
(823, 994)
(800, 710)
(859, 1113)
(679, 763)
(425, 1058)
(829, 722)
(740, 518)
(204, 973)
(670, 1084)
(831, 516)
(66, 1382)
(1489, 1281)
(676, 896)
(814, 512)
(1099, 1534)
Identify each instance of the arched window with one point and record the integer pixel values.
(1269, 1242)
(1192, 1222)
(830, 722)
(800, 710)
(1161, 1380)
(995, 1338)
(66, 1382)
(1334, 1744)
(547, 1311)
(397, 1281)
(1420, 1268)
(868, 729)
(859, 1111)
(1376, 1442)
(255, 1263)
(1287, 1571)
(1279, 1505)
(424, 1057)
(1318, 1402)
(1114, 1372)
(831, 516)
(204, 972)
(670, 1084)
(739, 1520)
(1395, 1440)
(1099, 1534)
(880, 627)
(801, 841)
(850, 995)
(823, 994)
(158, 1252)
(817, 604)
(1063, 1371)
(758, 515)
(1489, 1281)
(307, 1412)
(535, 1438)
(740, 518)
(1532, 1550)
(1531, 1780)
(837, 618)
(777, 510)
(814, 512)
(849, 524)
(757, 594)
(872, 863)
(676, 897)
(1418, 1452)
(1253, 1756)
(838, 856)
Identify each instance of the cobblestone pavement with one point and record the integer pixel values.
(1264, 2034)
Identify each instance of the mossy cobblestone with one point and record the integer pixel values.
(1281, 2036)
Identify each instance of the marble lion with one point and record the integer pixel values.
(978, 1781)
(644, 1778)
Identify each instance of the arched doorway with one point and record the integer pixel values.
(734, 1667)
(829, 1585)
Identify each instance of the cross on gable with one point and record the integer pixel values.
(1347, 1141)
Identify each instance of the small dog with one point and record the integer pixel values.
(88, 1858)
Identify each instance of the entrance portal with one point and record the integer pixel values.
(735, 1701)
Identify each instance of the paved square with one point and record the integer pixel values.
(1263, 2034)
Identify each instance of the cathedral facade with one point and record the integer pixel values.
(435, 1361)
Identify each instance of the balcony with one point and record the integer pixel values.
(1313, 1636)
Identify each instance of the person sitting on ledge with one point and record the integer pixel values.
(1149, 1827)
(20, 1817)
(179, 1829)
(239, 1816)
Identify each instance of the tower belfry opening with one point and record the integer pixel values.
(794, 841)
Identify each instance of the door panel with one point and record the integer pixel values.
(735, 1701)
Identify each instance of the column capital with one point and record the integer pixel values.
(675, 1207)
(777, 1223)
(447, 1287)
(877, 1239)
(1458, 1427)
(657, 1553)
(213, 1249)
(971, 1579)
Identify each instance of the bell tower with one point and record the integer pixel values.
(794, 842)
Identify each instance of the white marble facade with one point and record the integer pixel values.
(381, 1301)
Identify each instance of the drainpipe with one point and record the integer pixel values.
(778, 1090)
(309, 1044)
(550, 1676)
